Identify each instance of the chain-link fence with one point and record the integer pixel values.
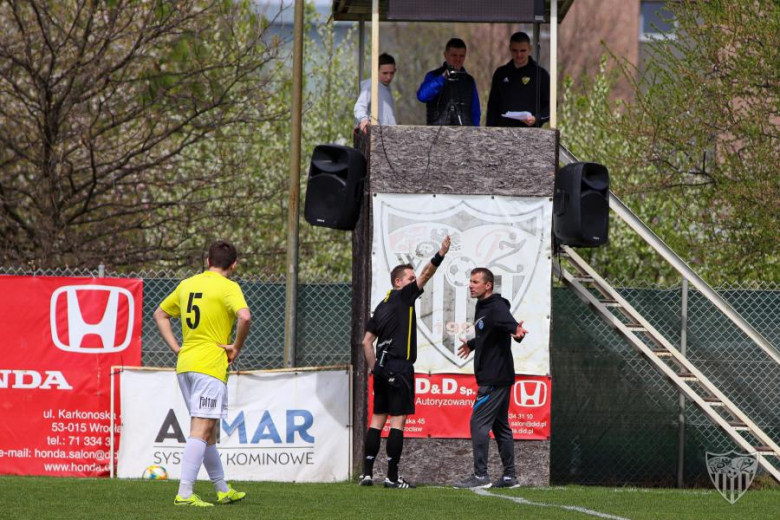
(615, 419)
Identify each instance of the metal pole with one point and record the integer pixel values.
(683, 346)
(537, 55)
(291, 293)
(537, 43)
(553, 63)
(361, 50)
(375, 62)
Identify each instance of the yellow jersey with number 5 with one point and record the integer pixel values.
(207, 304)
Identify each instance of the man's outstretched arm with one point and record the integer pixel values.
(434, 263)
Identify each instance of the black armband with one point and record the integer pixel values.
(437, 259)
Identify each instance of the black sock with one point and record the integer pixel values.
(395, 445)
(373, 438)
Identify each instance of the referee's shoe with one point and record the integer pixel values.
(399, 484)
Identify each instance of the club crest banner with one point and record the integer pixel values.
(508, 235)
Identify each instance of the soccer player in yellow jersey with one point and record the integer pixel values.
(208, 305)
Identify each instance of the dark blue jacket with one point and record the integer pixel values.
(431, 90)
(493, 327)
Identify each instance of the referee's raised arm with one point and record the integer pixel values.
(434, 263)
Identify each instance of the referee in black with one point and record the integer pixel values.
(494, 369)
(394, 324)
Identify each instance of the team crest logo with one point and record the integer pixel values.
(732, 473)
(526, 80)
(510, 244)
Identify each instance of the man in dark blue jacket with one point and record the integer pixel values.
(494, 369)
(449, 92)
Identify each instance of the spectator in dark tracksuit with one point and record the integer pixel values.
(515, 86)
(494, 369)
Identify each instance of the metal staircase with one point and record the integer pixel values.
(608, 304)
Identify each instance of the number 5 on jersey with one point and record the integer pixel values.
(192, 308)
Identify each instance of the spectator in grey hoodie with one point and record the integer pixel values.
(386, 103)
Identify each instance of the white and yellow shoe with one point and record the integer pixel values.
(194, 501)
(229, 496)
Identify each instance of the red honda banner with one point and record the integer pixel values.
(61, 336)
(443, 405)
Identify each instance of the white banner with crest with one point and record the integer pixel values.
(508, 235)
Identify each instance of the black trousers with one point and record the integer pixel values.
(491, 412)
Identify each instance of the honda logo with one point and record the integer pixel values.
(530, 394)
(106, 322)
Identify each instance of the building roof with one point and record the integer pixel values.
(355, 10)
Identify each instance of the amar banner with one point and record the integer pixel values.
(61, 336)
(443, 405)
(508, 235)
(289, 426)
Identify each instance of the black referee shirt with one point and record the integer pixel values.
(395, 321)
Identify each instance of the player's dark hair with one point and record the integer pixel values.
(487, 275)
(222, 254)
(455, 43)
(520, 37)
(398, 272)
(386, 59)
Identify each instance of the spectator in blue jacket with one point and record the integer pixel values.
(449, 92)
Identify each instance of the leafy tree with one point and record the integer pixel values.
(330, 91)
(105, 112)
(696, 154)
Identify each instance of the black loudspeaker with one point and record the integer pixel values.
(335, 186)
(581, 205)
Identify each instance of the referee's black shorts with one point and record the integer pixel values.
(394, 388)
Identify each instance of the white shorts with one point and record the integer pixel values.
(205, 396)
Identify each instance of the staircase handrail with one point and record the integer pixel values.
(666, 252)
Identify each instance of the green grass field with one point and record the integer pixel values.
(42, 498)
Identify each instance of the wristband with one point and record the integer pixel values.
(437, 259)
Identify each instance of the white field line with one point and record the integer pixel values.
(523, 501)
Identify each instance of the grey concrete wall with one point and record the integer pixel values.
(463, 160)
(447, 461)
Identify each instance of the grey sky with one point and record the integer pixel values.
(272, 6)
